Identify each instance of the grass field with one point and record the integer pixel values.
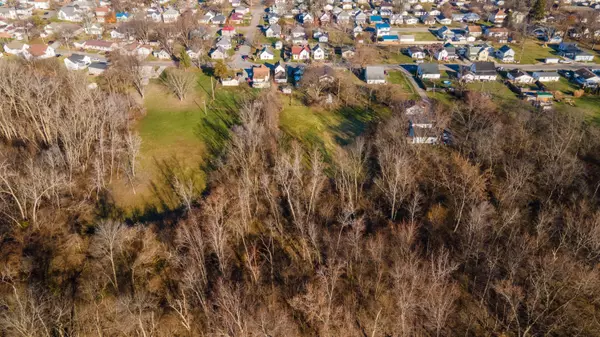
(398, 78)
(531, 52)
(177, 139)
(424, 36)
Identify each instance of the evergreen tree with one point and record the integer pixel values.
(539, 9)
(184, 59)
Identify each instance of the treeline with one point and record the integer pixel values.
(497, 234)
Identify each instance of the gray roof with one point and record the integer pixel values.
(76, 58)
(374, 73)
(98, 65)
(429, 68)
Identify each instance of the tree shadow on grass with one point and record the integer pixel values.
(355, 121)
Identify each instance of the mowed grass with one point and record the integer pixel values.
(424, 36)
(177, 139)
(531, 52)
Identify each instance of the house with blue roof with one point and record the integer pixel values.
(122, 16)
(375, 19)
(383, 29)
(390, 39)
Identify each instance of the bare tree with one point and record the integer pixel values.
(180, 82)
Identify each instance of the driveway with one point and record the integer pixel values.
(249, 32)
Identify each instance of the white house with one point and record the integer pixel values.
(478, 71)
(39, 52)
(300, 53)
(318, 53)
(224, 42)
(170, 15)
(375, 75)
(70, 13)
(77, 62)
(161, 54)
(546, 76)
(416, 53)
(266, 54)
(505, 54)
(231, 81)
(15, 48)
(429, 71)
(587, 78)
(519, 76)
(218, 54)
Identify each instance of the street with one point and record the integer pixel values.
(237, 62)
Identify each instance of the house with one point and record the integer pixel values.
(99, 45)
(497, 17)
(242, 10)
(445, 33)
(218, 53)
(375, 19)
(219, 19)
(325, 18)
(420, 124)
(161, 54)
(382, 29)
(443, 20)
(15, 48)
(224, 42)
(228, 30)
(272, 18)
(347, 52)
(70, 13)
(406, 39)
(298, 32)
(477, 53)
(273, 30)
(410, 20)
(206, 18)
(478, 71)
(583, 56)
(300, 53)
(416, 53)
(428, 20)
(116, 34)
(357, 30)
(360, 18)
(306, 18)
(41, 4)
(446, 53)
(266, 54)
(429, 71)
(38, 52)
(587, 78)
(170, 15)
(396, 19)
(325, 74)
(236, 18)
(101, 13)
(77, 62)
(93, 29)
(278, 45)
(279, 73)
(505, 54)
(122, 16)
(342, 18)
(497, 32)
(97, 68)
(390, 39)
(473, 30)
(546, 76)
(519, 76)
(318, 53)
(261, 76)
(375, 75)
(231, 81)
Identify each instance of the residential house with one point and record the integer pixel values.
(375, 19)
(390, 39)
(218, 53)
(446, 53)
(445, 33)
(473, 30)
(15, 48)
(161, 54)
(478, 71)
(93, 29)
(242, 10)
(420, 124)
(122, 16)
(70, 13)
(429, 71)
(505, 54)
(298, 32)
(404, 39)
(477, 53)
(410, 20)
(41, 4)
(519, 76)
(261, 76)
(428, 20)
(375, 75)
(396, 19)
(219, 19)
(306, 18)
(233, 81)
(587, 78)
(266, 54)
(382, 29)
(318, 53)
(170, 15)
(97, 68)
(98, 45)
(224, 42)
(360, 18)
(38, 52)
(416, 52)
(117, 35)
(236, 18)
(300, 53)
(342, 18)
(543, 76)
(206, 18)
(443, 20)
(324, 74)
(347, 52)
(278, 45)
(77, 62)
(497, 33)
(273, 30)
(357, 30)
(279, 73)
(228, 30)
(325, 18)
(273, 18)
(102, 13)
(497, 17)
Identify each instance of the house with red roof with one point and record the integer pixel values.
(236, 18)
(300, 53)
(228, 30)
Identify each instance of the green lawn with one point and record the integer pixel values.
(531, 52)
(392, 55)
(177, 139)
(424, 36)
(398, 78)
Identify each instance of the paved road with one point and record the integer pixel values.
(236, 61)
